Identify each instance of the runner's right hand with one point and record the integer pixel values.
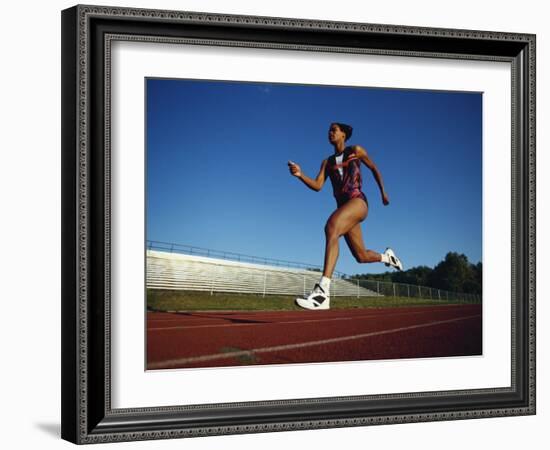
(294, 169)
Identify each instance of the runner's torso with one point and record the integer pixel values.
(345, 185)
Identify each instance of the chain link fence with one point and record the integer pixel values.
(390, 289)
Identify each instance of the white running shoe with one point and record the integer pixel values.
(318, 299)
(394, 261)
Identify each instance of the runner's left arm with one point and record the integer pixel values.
(365, 159)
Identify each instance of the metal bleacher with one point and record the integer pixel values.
(199, 273)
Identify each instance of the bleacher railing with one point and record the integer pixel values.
(232, 256)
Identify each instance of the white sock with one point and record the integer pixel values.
(385, 258)
(325, 284)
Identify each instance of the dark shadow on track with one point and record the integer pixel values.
(223, 317)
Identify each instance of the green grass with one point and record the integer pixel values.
(172, 300)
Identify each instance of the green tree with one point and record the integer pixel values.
(455, 274)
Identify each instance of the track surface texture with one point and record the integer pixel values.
(216, 339)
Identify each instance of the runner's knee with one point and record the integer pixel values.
(331, 230)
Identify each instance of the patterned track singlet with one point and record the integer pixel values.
(346, 186)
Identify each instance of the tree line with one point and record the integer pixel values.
(455, 273)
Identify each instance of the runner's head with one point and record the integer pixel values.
(339, 131)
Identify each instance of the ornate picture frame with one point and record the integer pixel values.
(88, 415)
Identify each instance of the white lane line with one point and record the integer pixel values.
(368, 316)
(372, 315)
(194, 359)
(267, 316)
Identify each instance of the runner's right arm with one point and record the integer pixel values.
(316, 184)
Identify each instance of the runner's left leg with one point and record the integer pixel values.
(354, 239)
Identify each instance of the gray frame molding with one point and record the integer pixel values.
(88, 32)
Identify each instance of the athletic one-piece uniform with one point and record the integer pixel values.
(345, 176)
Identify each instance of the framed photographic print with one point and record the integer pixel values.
(267, 222)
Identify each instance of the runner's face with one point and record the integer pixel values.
(335, 134)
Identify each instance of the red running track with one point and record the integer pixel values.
(233, 338)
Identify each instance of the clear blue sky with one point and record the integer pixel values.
(217, 174)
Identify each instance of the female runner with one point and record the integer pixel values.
(344, 170)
